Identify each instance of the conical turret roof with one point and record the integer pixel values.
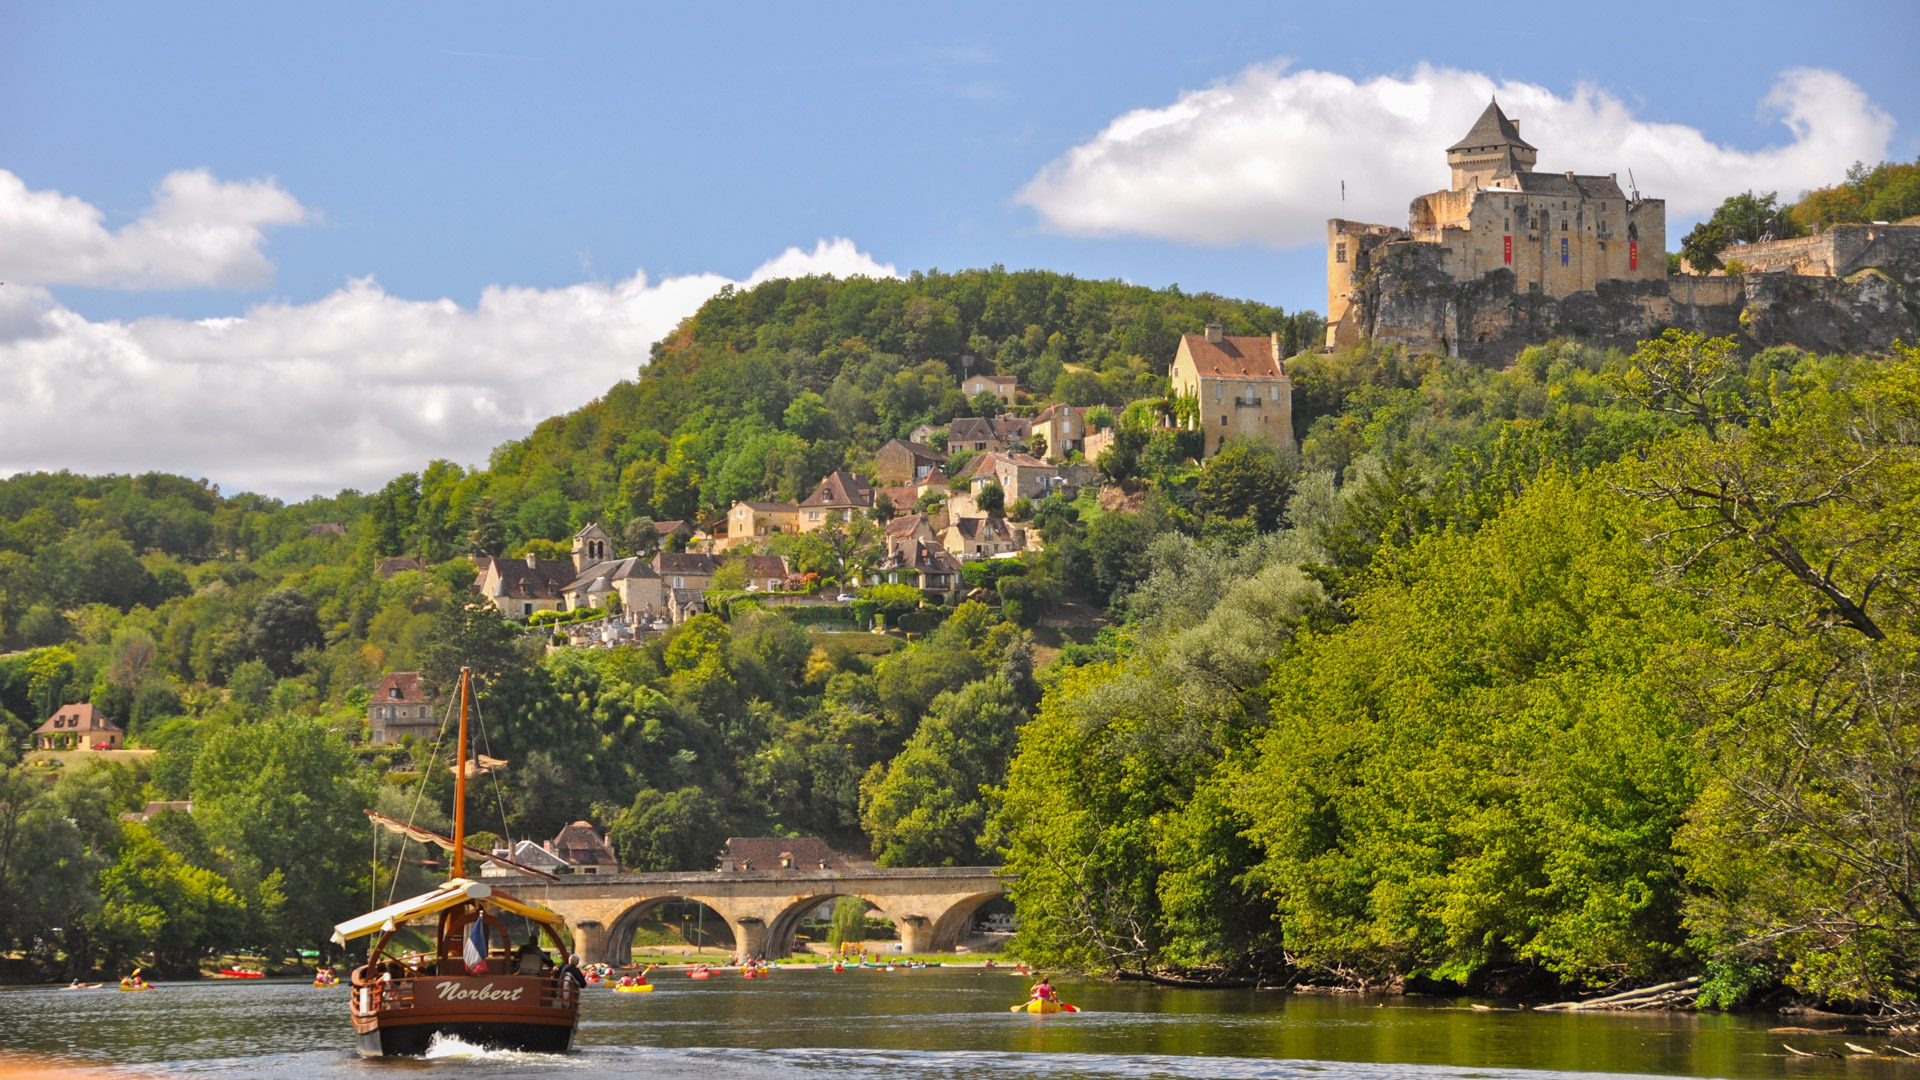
(1493, 129)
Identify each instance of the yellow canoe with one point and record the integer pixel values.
(644, 988)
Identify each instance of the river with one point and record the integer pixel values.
(938, 1023)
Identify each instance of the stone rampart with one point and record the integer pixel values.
(1408, 298)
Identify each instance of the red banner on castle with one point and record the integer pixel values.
(1633, 254)
(1509, 246)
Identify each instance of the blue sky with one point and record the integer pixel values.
(442, 150)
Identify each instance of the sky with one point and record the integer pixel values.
(295, 248)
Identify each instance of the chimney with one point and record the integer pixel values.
(1215, 332)
(533, 561)
(1569, 174)
(1276, 349)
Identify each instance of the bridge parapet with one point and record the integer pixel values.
(930, 905)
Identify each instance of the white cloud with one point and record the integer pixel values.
(347, 391)
(200, 232)
(1259, 158)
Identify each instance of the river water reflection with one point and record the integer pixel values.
(944, 1023)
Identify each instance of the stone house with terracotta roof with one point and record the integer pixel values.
(902, 462)
(753, 522)
(78, 727)
(584, 850)
(765, 573)
(1004, 387)
(1062, 429)
(838, 498)
(782, 853)
(969, 538)
(924, 564)
(1239, 386)
(400, 706)
(685, 570)
(1019, 475)
(520, 587)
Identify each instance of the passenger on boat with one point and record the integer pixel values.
(570, 973)
(1043, 990)
(531, 959)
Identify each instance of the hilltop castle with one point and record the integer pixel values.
(1556, 233)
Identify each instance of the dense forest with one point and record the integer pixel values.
(1585, 672)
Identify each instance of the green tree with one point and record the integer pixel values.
(927, 808)
(285, 624)
(1248, 479)
(991, 499)
(676, 830)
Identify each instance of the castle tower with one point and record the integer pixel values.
(1492, 148)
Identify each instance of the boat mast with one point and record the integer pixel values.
(460, 784)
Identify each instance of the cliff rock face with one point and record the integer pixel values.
(1408, 298)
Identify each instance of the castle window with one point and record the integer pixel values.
(1223, 421)
(1339, 253)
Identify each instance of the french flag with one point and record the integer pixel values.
(476, 951)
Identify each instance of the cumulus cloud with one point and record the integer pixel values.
(1260, 158)
(347, 391)
(198, 233)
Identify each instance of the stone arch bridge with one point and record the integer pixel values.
(931, 906)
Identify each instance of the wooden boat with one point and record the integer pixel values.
(468, 987)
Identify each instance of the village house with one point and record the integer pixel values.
(980, 434)
(520, 587)
(683, 570)
(969, 538)
(582, 849)
(1239, 386)
(399, 707)
(1004, 387)
(1020, 476)
(902, 462)
(78, 727)
(840, 496)
(782, 853)
(924, 564)
(1059, 431)
(925, 433)
(397, 565)
(765, 573)
(526, 853)
(753, 522)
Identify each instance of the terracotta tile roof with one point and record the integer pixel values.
(902, 497)
(1492, 131)
(983, 528)
(665, 528)
(545, 580)
(905, 524)
(685, 562)
(780, 853)
(760, 567)
(1232, 357)
(402, 687)
(81, 717)
(581, 846)
(970, 429)
(922, 555)
(397, 564)
(1012, 427)
(841, 488)
(918, 450)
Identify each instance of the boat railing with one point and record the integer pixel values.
(392, 995)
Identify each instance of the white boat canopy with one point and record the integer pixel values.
(450, 894)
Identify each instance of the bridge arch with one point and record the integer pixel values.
(931, 906)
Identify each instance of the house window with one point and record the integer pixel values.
(1223, 420)
(1339, 253)
(679, 583)
(393, 692)
(1219, 391)
(1275, 388)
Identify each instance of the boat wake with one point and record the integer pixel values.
(454, 1048)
